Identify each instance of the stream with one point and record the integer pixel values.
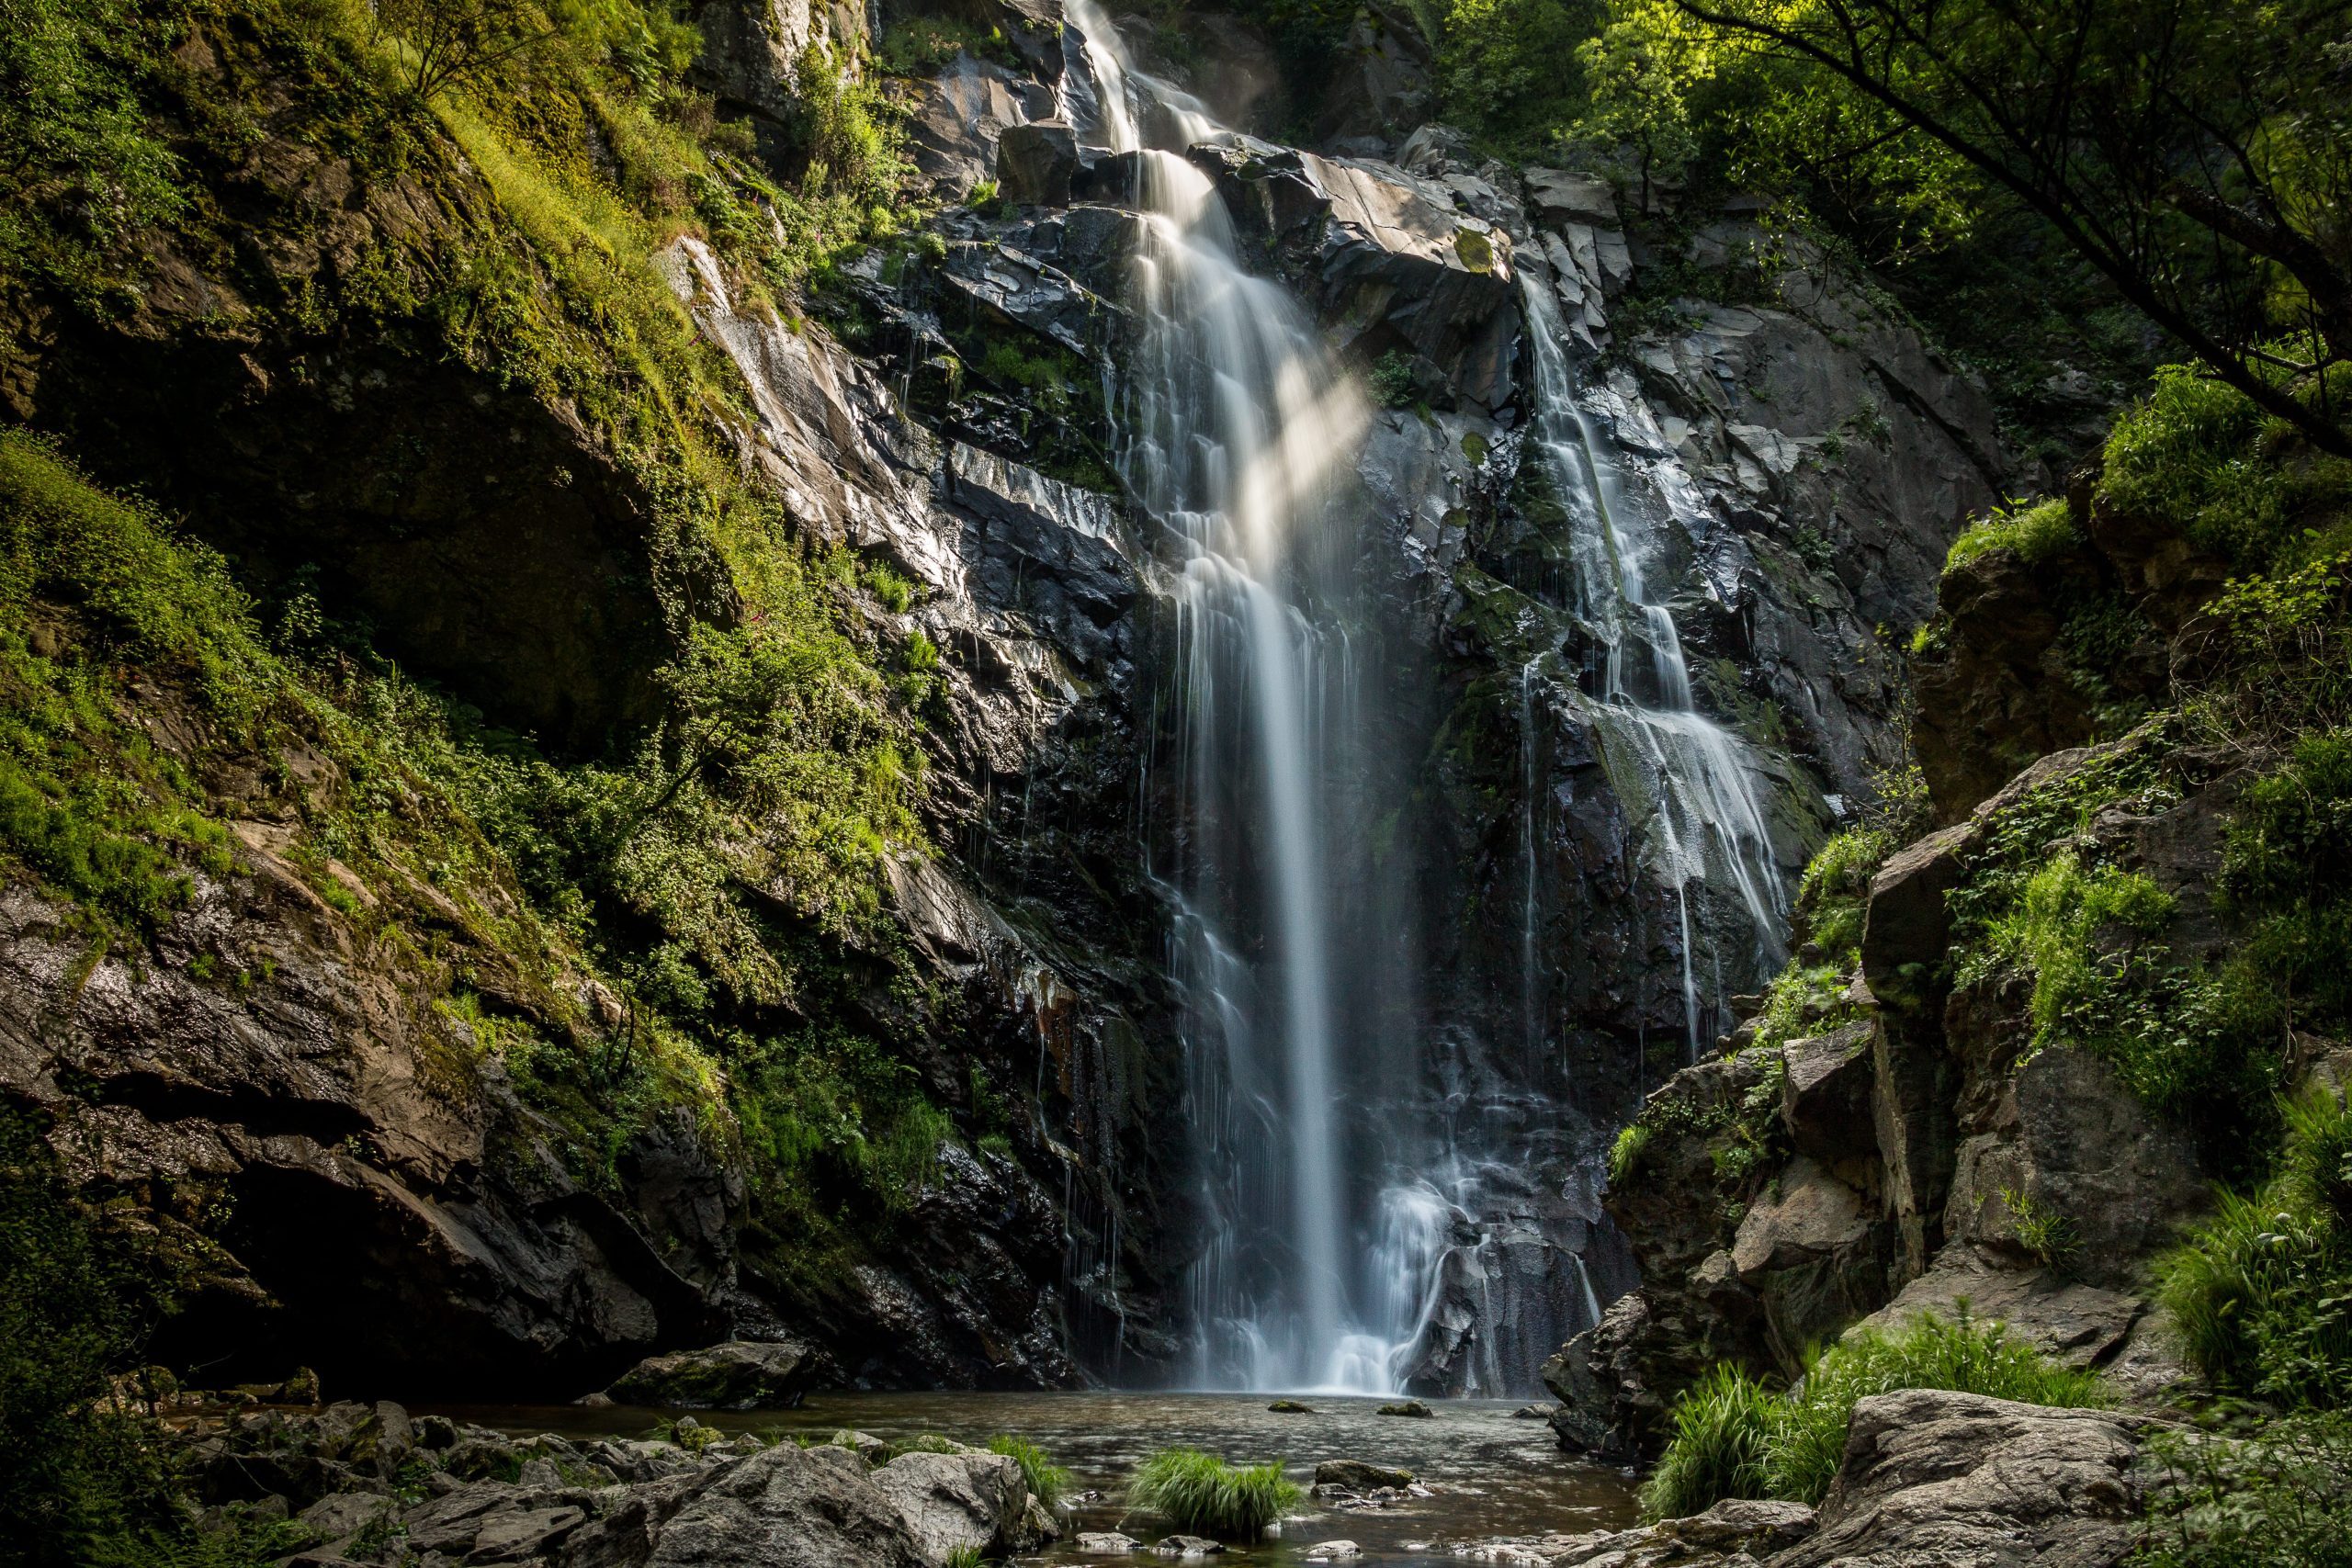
(1493, 1474)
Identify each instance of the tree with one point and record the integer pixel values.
(2197, 153)
(456, 42)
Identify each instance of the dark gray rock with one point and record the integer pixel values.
(1358, 1475)
(1037, 162)
(736, 1375)
(1826, 1096)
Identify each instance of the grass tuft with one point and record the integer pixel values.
(1047, 1481)
(1200, 1492)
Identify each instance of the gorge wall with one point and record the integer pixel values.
(404, 1113)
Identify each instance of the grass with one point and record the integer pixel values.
(1200, 1492)
(2033, 534)
(2261, 1293)
(1733, 1436)
(1047, 1481)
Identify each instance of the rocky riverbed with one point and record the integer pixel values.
(1929, 1476)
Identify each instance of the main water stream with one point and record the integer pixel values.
(1491, 1474)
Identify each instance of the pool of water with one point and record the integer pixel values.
(1494, 1474)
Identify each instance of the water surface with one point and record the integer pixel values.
(1495, 1475)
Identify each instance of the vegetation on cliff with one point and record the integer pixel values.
(1733, 1436)
(716, 872)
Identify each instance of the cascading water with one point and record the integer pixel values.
(1338, 1240)
(1234, 419)
(1707, 830)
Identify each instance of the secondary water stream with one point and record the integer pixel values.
(1492, 1475)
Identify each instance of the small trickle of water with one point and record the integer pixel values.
(1707, 831)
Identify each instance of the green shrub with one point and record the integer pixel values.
(2281, 1499)
(2035, 534)
(1200, 1492)
(1391, 381)
(2262, 1292)
(1834, 893)
(2200, 455)
(1047, 1481)
(1732, 1437)
(2287, 866)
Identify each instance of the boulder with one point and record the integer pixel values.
(1932, 1477)
(1387, 259)
(1815, 1257)
(1557, 197)
(1826, 1096)
(1108, 1544)
(1412, 1408)
(741, 1374)
(952, 1503)
(782, 1507)
(1037, 162)
(1355, 1475)
(1333, 1551)
(1752, 1524)
(1188, 1546)
(1290, 1408)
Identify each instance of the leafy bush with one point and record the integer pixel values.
(2287, 865)
(2262, 1292)
(1391, 381)
(1200, 1492)
(2281, 1499)
(1732, 1437)
(2035, 534)
(2196, 454)
(1047, 1481)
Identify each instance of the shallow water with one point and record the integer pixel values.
(1495, 1475)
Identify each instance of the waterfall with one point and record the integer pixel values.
(1338, 1246)
(1236, 427)
(1706, 832)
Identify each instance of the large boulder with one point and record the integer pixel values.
(737, 1375)
(959, 1502)
(782, 1507)
(1934, 1477)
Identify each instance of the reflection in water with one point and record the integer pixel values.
(1494, 1475)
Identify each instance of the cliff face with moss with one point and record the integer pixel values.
(579, 682)
(2059, 1011)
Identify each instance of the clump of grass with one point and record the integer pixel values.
(2041, 1231)
(1732, 1436)
(1047, 1481)
(2262, 1292)
(2284, 1496)
(1625, 1154)
(1722, 1431)
(2035, 534)
(1200, 1492)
